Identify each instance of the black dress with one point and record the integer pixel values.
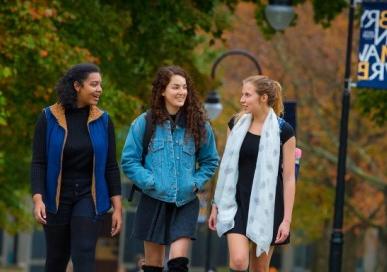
(248, 155)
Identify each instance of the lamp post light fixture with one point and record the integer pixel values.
(279, 13)
(212, 105)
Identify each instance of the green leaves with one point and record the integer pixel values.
(3, 116)
(129, 40)
(374, 104)
(325, 11)
(5, 72)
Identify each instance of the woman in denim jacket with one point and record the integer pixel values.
(181, 158)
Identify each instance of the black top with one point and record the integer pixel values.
(78, 150)
(77, 153)
(172, 118)
(248, 156)
(249, 150)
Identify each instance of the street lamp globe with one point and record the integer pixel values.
(212, 105)
(279, 13)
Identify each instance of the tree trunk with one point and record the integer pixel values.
(352, 243)
(382, 250)
(321, 251)
(370, 249)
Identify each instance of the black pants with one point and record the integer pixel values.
(73, 230)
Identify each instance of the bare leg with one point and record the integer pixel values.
(154, 254)
(238, 247)
(261, 263)
(179, 248)
(178, 261)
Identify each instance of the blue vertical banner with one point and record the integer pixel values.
(372, 66)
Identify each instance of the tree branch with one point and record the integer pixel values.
(372, 180)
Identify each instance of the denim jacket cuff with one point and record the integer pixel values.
(197, 186)
(150, 184)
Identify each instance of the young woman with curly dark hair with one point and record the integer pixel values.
(180, 159)
(74, 172)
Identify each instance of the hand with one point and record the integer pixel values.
(195, 189)
(283, 231)
(212, 218)
(39, 209)
(116, 221)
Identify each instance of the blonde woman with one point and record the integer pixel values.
(256, 185)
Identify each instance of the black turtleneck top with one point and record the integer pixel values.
(77, 153)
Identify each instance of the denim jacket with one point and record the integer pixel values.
(173, 171)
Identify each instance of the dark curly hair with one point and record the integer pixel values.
(67, 95)
(192, 109)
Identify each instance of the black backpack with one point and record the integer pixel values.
(145, 144)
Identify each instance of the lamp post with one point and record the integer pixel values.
(336, 248)
(212, 103)
(272, 12)
(214, 107)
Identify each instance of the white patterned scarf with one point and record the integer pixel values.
(261, 210)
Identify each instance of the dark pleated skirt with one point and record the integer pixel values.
(162, 222)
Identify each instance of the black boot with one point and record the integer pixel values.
(179, 264)
(149, 268)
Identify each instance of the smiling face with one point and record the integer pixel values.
(175, 94)
(89, 91)
(252, 102)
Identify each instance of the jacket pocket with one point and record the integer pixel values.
(156, 152)
(188, 156)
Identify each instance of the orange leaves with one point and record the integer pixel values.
(34, 13)
(43, 53)
(38, 13)
(43, 92)
(50, 12)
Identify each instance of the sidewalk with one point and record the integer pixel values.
(10, 269)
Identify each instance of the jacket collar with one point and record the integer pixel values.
(59, 113)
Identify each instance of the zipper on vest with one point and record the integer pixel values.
(93, 189)
(60, 172)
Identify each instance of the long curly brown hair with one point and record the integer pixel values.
(192, 110)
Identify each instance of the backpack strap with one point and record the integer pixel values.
(281, 122)
(231, 123)
(147, 134)
(146, 138)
